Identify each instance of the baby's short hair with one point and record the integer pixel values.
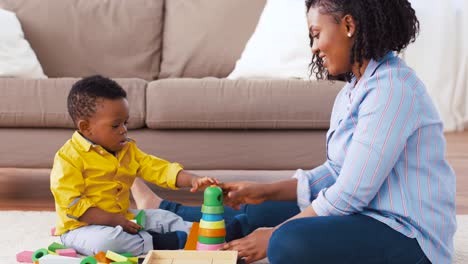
(81, 101)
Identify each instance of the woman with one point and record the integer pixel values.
(385, 193)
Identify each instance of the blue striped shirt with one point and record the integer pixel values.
(386, 159)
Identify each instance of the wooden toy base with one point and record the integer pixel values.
(190, 257)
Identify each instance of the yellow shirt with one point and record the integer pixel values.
(86, 175)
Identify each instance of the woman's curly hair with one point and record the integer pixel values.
(381, 26)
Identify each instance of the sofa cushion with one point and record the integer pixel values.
(212, 103)
(43, 103)
(206, 37)
(118, 38)
(194, 149)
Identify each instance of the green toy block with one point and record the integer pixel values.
(141, 219)
(127, 254)
(54, 246)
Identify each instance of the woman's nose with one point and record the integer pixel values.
(314, 47)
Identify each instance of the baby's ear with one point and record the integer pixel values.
(83, 126)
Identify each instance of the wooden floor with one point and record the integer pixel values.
(457, 155)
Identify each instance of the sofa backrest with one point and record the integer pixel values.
(76, 38)
(205, 38)
(43, 103)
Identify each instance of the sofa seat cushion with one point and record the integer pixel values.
(194, 149)
(118, 38)
(43, 102)
(212, 103)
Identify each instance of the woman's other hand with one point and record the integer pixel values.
(237, 193)
(252, 247)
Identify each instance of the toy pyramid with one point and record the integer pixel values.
(212, 230)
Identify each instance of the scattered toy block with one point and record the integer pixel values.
(101, 257)
(115, 256)
(133, 259)
(54, 246)
(68, 252)
(24, 256)
(54, 259)
(192, 239)
(141, 219)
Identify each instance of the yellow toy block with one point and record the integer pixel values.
(133, 259)
(115, 256)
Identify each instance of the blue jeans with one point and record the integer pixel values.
(331, 239)
(267, 214)
(342, 239)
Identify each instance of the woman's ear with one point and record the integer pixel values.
(83, 126)
(350, 25)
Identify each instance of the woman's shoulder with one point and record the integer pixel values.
(392, 75)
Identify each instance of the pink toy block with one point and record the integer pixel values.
(24, 256)
(52, 231)
(68, 252)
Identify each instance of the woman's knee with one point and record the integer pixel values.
(289, 244)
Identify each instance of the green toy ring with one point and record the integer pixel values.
(89, 260)
(39, 254)
(211, 240)
(212, 209)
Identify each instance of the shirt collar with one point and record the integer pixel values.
(86, 144)
(370, 70)
(373, 64)
(82, 142)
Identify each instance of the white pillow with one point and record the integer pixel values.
(17, 59)
(279, 47)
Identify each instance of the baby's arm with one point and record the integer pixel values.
(187, 179)
(169, 175)
(68, 187)
(97, 216)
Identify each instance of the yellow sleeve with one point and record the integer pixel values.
(67, 185)
(158, 171)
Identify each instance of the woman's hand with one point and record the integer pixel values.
(252, 247)
(200, 183)
(237, 193)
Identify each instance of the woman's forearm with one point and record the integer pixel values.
(281, 190)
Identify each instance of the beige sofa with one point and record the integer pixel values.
(172, 58)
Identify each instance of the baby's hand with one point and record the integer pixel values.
(200, 183)
(127, 225)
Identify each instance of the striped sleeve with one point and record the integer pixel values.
(386, 115)
(310, 182)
